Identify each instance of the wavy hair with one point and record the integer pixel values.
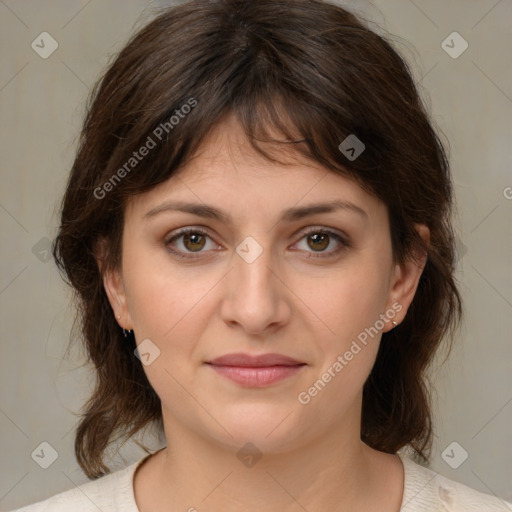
(312, 71)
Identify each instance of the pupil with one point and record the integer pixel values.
(319, 238)
(192, 238)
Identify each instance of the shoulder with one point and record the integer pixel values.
(112, 492)
(426, 490)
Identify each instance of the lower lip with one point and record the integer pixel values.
(256, 377)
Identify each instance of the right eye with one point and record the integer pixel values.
(193, 241)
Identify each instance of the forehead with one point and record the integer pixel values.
(228, 171)
(227, 143)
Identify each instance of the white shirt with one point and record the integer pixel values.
(424, 491)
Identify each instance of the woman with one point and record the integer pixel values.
(257, 226)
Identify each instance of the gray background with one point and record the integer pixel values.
(42, 104)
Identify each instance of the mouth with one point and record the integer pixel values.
(256, 371)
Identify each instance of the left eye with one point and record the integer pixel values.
(318, 240)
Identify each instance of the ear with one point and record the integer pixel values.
(406, 277)
(114, 287)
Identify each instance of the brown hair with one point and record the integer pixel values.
(317, 66)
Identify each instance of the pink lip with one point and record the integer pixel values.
(256, 371)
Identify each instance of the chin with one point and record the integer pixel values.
(272, 428)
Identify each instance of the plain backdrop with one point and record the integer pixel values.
(42, 105)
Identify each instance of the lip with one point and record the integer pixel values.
(256, 371)
(257, 361)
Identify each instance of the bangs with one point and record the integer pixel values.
(280, 93)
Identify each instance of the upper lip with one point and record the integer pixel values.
(258, 361)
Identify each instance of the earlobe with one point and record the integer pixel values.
(114, 288)
(407, 276)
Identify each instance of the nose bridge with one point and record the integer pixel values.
(252, 270)
(256, 297)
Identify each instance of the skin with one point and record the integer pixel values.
(282, 302)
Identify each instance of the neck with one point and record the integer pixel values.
(335, 472)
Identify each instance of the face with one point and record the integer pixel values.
(310, 290)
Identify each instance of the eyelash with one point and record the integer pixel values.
(324, 231)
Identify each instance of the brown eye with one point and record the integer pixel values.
(318, 241)
(194, 241)
(188, 241)
(322, 243)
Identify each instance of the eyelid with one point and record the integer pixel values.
(341, 237)
(183, 231)
(324, 229)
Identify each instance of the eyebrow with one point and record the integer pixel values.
(289, 215)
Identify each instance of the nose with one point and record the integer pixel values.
(256, 298)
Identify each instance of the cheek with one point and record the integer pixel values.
(350, 306)
(348, 301)
(171, 310)
(162, 299)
